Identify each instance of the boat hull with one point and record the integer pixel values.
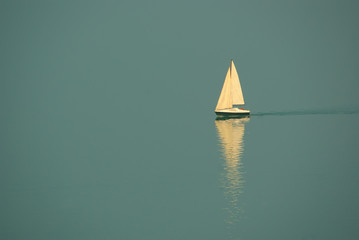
(221, 115)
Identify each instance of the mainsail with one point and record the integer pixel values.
(237, 94)
(231, 93)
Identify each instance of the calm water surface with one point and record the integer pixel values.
(268, 177)
(107, 129)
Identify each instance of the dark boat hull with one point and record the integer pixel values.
(224, 115)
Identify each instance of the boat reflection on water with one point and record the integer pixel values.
(230, 134)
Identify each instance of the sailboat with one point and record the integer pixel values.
(231, 96)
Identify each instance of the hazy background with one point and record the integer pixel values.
(99, 93)
(84, 55)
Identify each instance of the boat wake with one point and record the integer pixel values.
(308, 112)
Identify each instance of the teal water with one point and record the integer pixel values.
(282, 177)
(107, 129)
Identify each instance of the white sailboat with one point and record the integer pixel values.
(231, 94)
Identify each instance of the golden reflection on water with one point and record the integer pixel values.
(230, 134)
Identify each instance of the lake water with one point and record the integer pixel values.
(272, 176)
(108, 131)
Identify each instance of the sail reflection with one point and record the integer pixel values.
(230, 134)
